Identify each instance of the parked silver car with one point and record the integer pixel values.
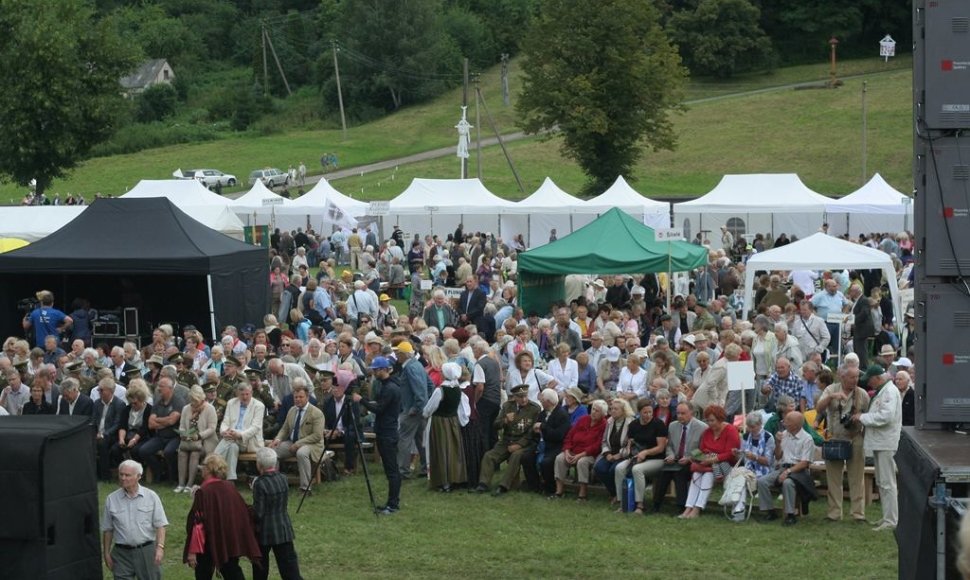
(210, 177)
(271, 177)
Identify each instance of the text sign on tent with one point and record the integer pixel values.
(669, 235)
(378, 208)
(272, 201)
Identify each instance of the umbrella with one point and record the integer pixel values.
(8, 244)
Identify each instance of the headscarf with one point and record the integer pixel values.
(451, 372)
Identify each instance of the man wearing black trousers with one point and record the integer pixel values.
(386, 406)
(274, 530)
(538, 463)
(684, 437)
(487, 379)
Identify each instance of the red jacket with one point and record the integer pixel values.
(724, 446)
(585, 437)
(228, 524)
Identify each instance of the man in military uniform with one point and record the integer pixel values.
(231, 379)
(261, 391)
(183, 364)
(75, 370)
(516, 419)
(213, 399)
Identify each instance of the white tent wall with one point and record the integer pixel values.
(860, 223)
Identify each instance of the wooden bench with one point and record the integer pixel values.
(869, 481)
(370, 445)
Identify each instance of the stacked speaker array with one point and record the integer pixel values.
(941, 113)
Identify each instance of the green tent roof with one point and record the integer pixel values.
(614, 243)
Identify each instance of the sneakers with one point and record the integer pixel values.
(179, 489)
(883, 527)
(385, 510)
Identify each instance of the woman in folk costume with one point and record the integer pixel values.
(442, 437)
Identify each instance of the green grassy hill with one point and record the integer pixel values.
(728, 128)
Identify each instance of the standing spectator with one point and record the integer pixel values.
(446, 459)
(138, 542)
(864, 327)
(838, 401)
(226, 523)
(386, 406)
(883, 423)
(46, 320)
(415, 388)
(274, 530)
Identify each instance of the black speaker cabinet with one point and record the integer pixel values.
(49, 513)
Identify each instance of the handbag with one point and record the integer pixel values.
(837, 450)
(735, 484)
(190, 446)
(197, 536)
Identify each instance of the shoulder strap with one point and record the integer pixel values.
(808, 330)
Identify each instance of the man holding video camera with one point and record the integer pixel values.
(839, 401)
(46, 320)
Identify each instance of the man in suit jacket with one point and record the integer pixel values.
(553, 425)
(301, 434)
(274, 530)
(121, 368)
(241, 430)
(864, 326)
(684, 437)
(73, 401)
(439, 314)
(339, 413)
(108, 414)
(471, 303)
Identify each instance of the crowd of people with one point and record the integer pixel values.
(607, 388)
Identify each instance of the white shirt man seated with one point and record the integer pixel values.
(241, 430)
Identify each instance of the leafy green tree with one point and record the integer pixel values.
(157, 102)
(721, 38)
(606, 77)
(59, 68)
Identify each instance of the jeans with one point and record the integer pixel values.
(606, 473)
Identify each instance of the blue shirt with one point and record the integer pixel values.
(826, 303)
(242, 414)
(45, 321)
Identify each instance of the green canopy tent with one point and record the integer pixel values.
(614, 243)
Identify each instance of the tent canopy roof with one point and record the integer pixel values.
(136, 236)
(875, 197)
(181, 192)
(821, 252)
(549, 198)
(614, 243)
(621, 195)
(323, 191)
(757, 193)
(255, 196)
(449, 196)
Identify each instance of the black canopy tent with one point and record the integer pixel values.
(144, 253)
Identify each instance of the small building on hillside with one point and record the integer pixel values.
(151, 72)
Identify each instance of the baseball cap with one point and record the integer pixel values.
(380, 362)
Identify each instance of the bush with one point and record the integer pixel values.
(139, 136)
(156, 103)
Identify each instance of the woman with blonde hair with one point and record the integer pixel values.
(197, 431)
(614, 445)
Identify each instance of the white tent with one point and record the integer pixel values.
(35, 222)
(775, 203)
(875, 207)
(181, 192)
(326, 206)
(262, 206)
(439, 205)
(655, 214)
(822, 252)
(535, 216)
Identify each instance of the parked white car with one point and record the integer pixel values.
(210, 177)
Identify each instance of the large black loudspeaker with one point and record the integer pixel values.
(49, 507)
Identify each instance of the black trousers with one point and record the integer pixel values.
(387, 447)
(681, 481)
(349, 441)
(230, 570)
(540, 477)
(487, 412)
(104, 457)
(286, 562)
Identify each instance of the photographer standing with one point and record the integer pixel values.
(839, 402)
(46, 320)
(386, 405)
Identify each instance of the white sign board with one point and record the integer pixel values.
(740, 375)
(378, 208)
(840, 318)
(426, 284)
(453, 293)
(668, 235)
(887, 47)
(272, 201)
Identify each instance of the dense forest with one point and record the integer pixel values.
(268, 65)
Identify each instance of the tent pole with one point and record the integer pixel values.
(212, 310)
(670, 275)
(528, 230)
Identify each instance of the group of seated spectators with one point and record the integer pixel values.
(608, 387)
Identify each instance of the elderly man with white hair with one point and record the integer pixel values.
(439, 314)
(134, 523)
(785, 346)
(281, 376)
(883, 423)
(241, 429)
(361, 303)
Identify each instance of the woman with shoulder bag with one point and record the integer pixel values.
(197, 431)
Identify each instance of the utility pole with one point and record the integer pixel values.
(265, 63)
(506, 100)
(501, 143)
(340, 95)
(278, 65)
(464, 103)
(865, 123)
(478, 127)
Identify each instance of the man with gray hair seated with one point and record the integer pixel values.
(139, 542)
(274, 530)
(241, 430)
(301, 434)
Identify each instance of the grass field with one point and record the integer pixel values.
(524, 535)
(815, 133)
(527, 536)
